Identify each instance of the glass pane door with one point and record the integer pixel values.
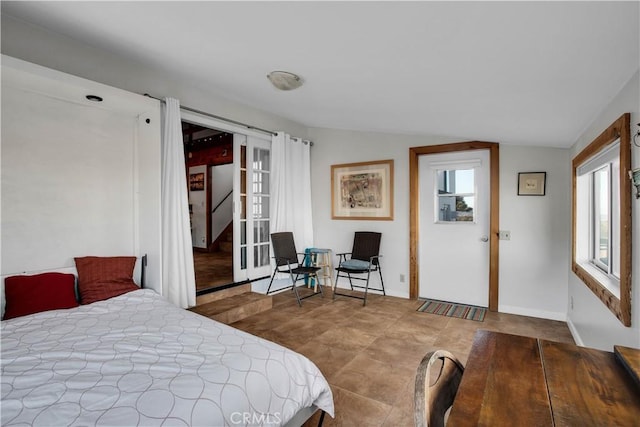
(239, 208)
(259, 171)
(252, 207)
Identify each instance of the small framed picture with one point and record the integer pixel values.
(196, 182)
(532, 183)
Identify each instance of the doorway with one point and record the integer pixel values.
(439, 212)
(209, 166)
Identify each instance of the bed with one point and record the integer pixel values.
(136, 359)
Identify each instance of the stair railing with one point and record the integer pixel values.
(222, 201)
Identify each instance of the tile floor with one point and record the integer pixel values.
(369, 355)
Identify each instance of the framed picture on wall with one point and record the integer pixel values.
(196, 182)
(532, 183)
(362, 190)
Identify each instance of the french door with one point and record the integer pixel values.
(251, 213)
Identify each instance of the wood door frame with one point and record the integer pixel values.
(494, 215)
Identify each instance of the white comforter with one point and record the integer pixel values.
(138, 360)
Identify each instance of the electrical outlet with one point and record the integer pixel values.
(505, 235)
(402, 278)
(571, 303)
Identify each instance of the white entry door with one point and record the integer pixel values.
(454, 227)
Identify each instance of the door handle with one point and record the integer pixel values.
(484, 238)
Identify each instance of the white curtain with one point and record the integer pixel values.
(178, 275)
(291, 188)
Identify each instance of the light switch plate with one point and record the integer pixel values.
(505, 235)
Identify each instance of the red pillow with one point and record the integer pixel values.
(101, 278)
(40, 292)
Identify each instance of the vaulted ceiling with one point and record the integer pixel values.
(530, 73)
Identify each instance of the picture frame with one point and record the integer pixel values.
(196, 181)
(532, 183)
(362, 191)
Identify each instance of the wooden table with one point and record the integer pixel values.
(630, 359)
(514, 380)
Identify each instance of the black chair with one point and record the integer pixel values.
(287, 261)
(360, 262)
(435, 391)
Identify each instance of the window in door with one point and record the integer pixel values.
(455, 194)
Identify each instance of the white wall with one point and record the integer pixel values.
(334, 147)
(533, 264)
(198, 202)
(78, 178)
(539, 225)
(591, 322)
(221, 185)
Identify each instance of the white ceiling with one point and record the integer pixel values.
(530, 73)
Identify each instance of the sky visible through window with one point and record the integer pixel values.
(465, 184)
(464, 181)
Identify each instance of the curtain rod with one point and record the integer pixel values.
(204, 113)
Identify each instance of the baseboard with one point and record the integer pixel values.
(278, 285)
(389, 292)
(260, 286)
(574, 333)
(393, 293)
(541, 314)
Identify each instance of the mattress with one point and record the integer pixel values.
(138, 360)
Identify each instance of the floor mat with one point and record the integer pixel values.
(462, 311)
